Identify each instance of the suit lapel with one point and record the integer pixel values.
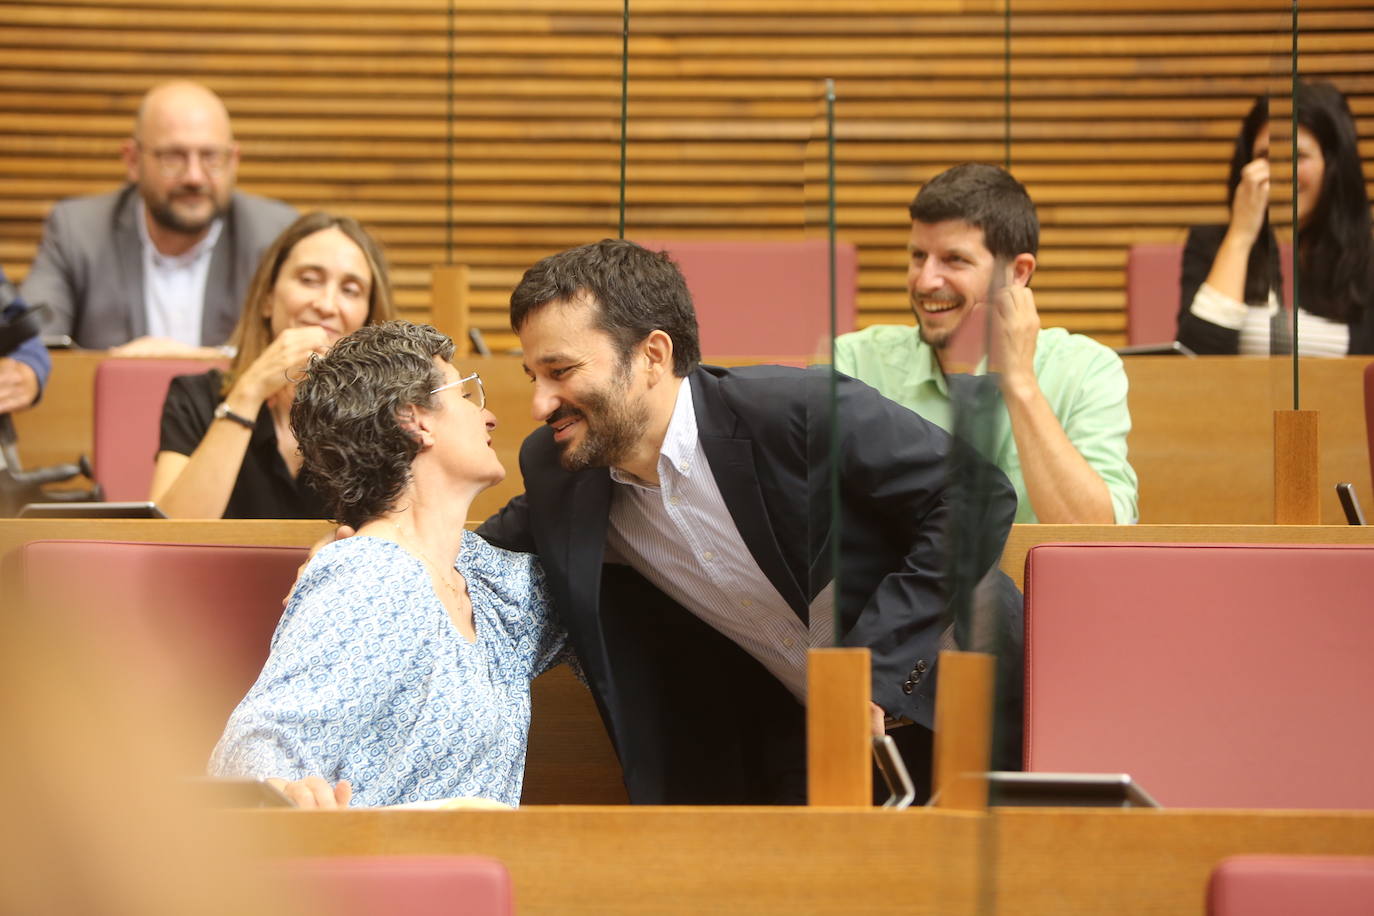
(129, 261)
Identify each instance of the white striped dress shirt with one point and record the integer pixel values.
(679, 535)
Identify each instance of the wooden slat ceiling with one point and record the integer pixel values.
(1121, 119)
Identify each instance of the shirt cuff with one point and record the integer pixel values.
(1211, 306)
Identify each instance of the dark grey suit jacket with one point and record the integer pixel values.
(693, 718)
(89, 267)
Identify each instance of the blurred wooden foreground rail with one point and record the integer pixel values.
(1202, 442)
(791, 860)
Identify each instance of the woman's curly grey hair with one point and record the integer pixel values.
(346, 421)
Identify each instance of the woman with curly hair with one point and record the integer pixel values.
(1231, 273)
(400, 671)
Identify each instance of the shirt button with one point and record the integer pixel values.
(708, 555)
(789, 642)
(674, 499)
(747, 602)
(686, 466)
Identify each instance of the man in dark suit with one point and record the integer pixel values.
(683, 517)
(159, 267)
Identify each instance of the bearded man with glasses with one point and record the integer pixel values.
(161, 266)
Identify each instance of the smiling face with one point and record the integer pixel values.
(949, 270)
(324, 281)
(462, 431)
(592, 399)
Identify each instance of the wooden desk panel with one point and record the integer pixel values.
(1201, 443)
(790, 860)
(1202, 440)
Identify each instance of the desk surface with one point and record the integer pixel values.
(790, 860)
(1201, 443)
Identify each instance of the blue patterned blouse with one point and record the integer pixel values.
(369, 681)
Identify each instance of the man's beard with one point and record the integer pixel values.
(937, 340)
(164, 214)
(611, 426)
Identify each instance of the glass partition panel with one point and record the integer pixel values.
(1332, 286)
(1123, 127)
(922, 515)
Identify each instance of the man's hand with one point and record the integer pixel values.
(1015, 327)
(876, 716)
(314, 792)
(1250, 203)
(18, 385)
(163, 348)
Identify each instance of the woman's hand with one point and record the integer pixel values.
(1251, 202)
(269, 373)
(314, 792)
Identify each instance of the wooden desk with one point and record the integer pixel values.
(61, 427)
(791, 860)
(1202, 442)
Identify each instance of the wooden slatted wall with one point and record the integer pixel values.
(1122, 117)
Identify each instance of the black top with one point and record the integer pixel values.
(265, 487)
(1204, 338)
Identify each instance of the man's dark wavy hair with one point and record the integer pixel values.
(345, 415)
(984, 196)
(638, 291)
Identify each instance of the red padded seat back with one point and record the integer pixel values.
(196, 619)
(1217, 675)
(1153, 275)
(767, 298)
(128, 419)
(414, 885)
(1292, 886)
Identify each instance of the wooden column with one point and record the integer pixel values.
(839, 739)
(448, 310)
(963, 730)
(1297, 481)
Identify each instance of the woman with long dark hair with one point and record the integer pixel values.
(1231, 286)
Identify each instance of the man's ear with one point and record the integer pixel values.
(657, 350)
(128, 151)
(1021, 268)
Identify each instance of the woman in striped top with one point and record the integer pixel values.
(1231, 284)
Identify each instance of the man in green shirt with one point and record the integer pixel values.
(1060, 431)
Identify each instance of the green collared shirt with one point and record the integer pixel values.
(1083, 381)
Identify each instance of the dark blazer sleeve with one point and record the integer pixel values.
(1198, 335)
(510, 528)
(901, 507)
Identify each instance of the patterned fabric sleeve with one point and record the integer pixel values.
(331, 671)
(518, 578)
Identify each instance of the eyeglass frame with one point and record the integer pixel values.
(481, 389)
(211, 168)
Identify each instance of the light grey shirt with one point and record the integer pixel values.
(679, 535)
